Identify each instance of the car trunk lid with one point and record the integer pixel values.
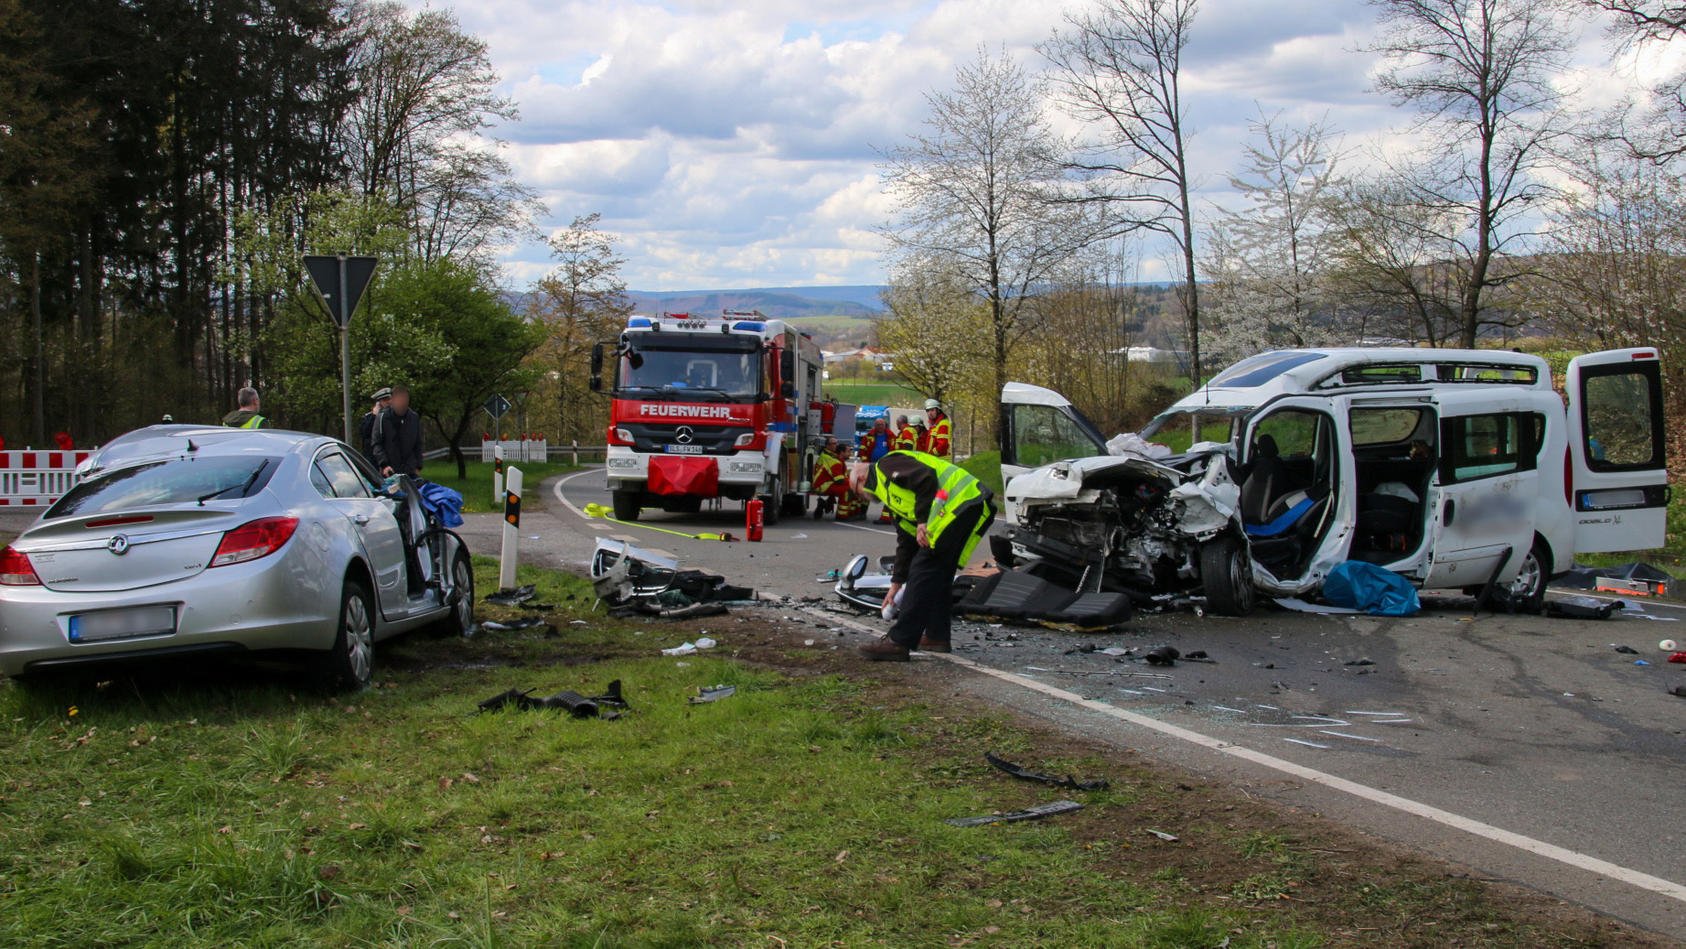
(124, 551)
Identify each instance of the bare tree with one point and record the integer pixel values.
(1389, 266)
(980, 191)
(1479, 73)
(1267, 259)
(1119, 68)
(1659, 134)
(579, 302)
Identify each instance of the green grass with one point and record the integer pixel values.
(986, 467)
(835, 323)
(476, 489)
(874, 393)
(244, 808)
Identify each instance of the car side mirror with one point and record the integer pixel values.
(597, 368)
(787, 389)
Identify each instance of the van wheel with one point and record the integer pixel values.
(1226, 571)
(350, 664)
(626, 505)
(1532, 577)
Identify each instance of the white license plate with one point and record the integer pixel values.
(685, 449)
(122, 624)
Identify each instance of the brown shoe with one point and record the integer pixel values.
(932, 645)
(883, 650)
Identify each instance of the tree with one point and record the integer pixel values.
(1119, 68)
(981, 193)
(579, 303)
(415, 133)
(1614, 270)
(1479, 73)
(937, 330)
(1268, 260)
(1662, 136)
(1389, 263)
(485, 342)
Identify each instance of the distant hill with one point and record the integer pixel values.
(780, 303)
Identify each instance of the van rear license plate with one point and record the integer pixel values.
(686, 449)
(122, 624)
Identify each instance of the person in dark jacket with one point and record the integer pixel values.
(397, 438)
(246, 416)
(366, 427)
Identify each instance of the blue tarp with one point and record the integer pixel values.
(1357, 585)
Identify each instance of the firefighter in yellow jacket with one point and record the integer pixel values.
(831, 480)
(938, 442)
(940, 512)
(906, 438)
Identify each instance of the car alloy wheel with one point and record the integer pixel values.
(359, 639)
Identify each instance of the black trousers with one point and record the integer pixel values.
(928, 603)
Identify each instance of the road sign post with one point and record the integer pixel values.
(497, 407)
(341, 280)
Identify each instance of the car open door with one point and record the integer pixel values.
(1482, 497)
(1617, 466)
(1039, 427)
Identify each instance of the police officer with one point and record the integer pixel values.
(366, 427)
(246, 416)
(940, 512)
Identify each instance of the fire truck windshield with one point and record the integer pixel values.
(692, 367)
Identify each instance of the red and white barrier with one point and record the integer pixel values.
(37, 478)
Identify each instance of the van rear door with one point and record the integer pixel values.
(1618, 466)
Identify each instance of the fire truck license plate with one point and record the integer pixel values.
(685, 449)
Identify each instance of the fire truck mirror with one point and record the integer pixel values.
(787, 372)
(787, 390)
(597, 367)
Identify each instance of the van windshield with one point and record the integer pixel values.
(1178, 430)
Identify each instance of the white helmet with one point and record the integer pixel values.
(932, 404)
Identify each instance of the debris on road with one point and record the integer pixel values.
(1625, 650)
(1168, 838)
(513, 597)
(575, 704)
(525, 622)
(1007, 767)
(1628, 579)
(1582, 607)
(713, 693)
(637, 582)
(1359, 662)
(1161, 656)
(1030, 813)
(1678, 657)
(690, 648)
(994, 594)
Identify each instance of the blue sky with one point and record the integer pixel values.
(731, 143)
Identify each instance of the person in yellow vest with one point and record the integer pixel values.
(942, 431)
(246, 416)
(906, 438)
(941, 512)
(831, 482)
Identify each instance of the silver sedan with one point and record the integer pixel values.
(183, 540)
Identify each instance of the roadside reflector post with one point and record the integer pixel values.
(497, 474)
(511, 528)
(576, 446)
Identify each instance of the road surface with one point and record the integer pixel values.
(1524, 747)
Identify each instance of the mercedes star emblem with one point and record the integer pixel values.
(683, 434)
(118, 544)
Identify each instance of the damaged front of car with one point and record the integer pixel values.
(1153, 528)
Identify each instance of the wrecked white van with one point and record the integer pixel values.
(1453, 468)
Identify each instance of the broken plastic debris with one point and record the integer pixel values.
(1582, 607)
(706, 643)
(1030, 813)
(1000, 764)
(684, 650)
(1360, 662)
(526, 622)
(1625, 650)
(1168, 838)
(513, 597)
(1162, 656)
(713, 693)
(575, 704)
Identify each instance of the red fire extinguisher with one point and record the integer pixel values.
(752, 518)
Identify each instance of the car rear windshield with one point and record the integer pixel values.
(177, 481)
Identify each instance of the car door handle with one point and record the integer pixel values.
(1451, 509)
(360, 518)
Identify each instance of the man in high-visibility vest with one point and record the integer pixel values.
(246, 416)
(942, 431)
(941, 512)
(906, 438)
(831, 481)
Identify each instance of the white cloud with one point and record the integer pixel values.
(732, 142)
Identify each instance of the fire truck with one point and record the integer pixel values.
(705, 408)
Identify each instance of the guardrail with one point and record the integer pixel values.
(571, 453)
(37, 478)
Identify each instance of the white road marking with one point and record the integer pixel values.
(1325, 731)
(863, 527)
(1499, 835)
(1308, 744)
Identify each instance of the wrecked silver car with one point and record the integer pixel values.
(1452, 468)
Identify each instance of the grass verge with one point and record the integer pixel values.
(476, 487)
(242, 808)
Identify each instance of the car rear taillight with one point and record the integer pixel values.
(16, 570)
(260, 538)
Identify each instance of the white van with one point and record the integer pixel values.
(1453, 468)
